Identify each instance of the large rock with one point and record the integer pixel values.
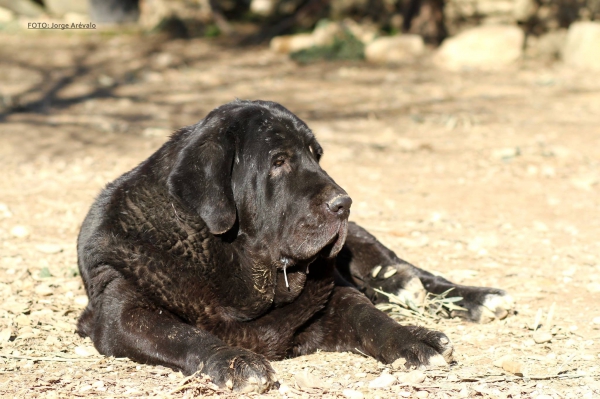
(395, 49)
(582, 48)
(485, 47)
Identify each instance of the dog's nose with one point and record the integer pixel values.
(339, 203)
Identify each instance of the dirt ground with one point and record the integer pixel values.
(486, 178)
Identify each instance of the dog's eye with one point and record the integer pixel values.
(278, 163)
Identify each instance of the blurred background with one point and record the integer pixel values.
(466, 131)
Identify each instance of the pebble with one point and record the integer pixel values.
(596, 320)
(399, 363)
(507, 363)
(5, 335)
(308, 380)
(5, 212)
(49, 248)
(43, 290)
(22, 320)
(283, 389)
(541, 337)
(352, 394)
(85, 351)
(422, 394)
(20, 232)
(383, 381)
(412, 377)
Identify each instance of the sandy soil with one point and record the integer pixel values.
(486, 178)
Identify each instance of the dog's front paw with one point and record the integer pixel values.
(483, 305)
(240, 370)
(419, 347)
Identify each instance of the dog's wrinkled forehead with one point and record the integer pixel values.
(272, 124)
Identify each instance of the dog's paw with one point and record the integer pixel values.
(240, 370)
(483, 305)
(420, 347)
(399, 280)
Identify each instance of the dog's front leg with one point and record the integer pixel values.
(350, 322)
(122, 323)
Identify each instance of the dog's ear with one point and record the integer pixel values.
(201, 176)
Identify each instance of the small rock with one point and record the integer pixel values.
(292, 43)
(383, 381)
(541, 337)
(596, 320)
(283, 389)
(85, 351)
(364, 32)
(513, 367)
(20, 231)
(49, 248)
(399, 364)
(352, 394)
(6, 16)
(5, 335)
(485, 47)
(325, 33)
(395, 49)
(52, 340)
(506, 153)
(263, 7)
(81, 300)
(22, 320)
(422, 394)
(593, 287)
(43, 290)
(412, 377)
(524, 9)
(5, 212)
(308, 380)
(582, 48)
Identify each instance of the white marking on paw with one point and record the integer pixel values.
(413, 291)
(495, 306)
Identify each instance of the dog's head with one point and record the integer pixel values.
(255, 166)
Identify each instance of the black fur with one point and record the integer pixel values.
(219, 252)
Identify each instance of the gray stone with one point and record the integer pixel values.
(582, 49)
(485, 47)
(395, 49)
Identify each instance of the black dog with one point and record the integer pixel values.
(230, 246)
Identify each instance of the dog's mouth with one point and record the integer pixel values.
(335, 244)
(330, 248)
